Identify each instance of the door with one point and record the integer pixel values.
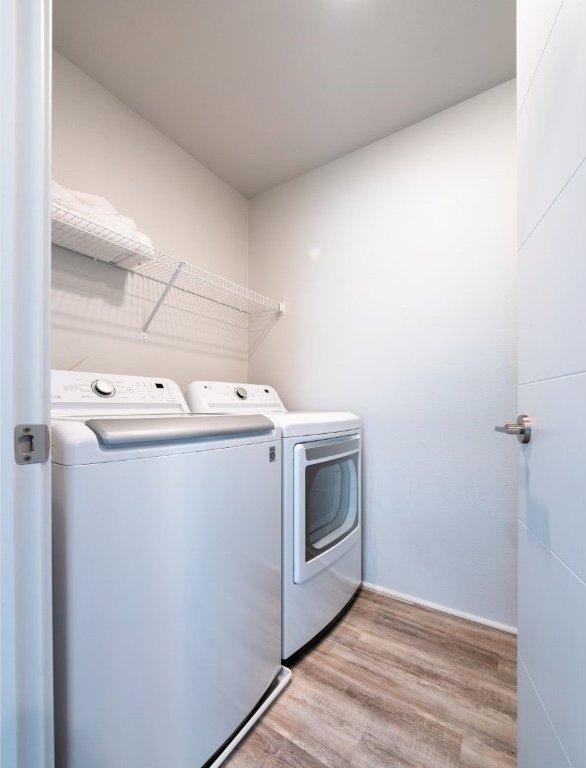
(552, 383)
(326, 502)
(26, 694)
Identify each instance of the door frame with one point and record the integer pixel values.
(26, 670)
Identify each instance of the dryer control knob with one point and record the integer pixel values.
(241, 393)
(103, 388)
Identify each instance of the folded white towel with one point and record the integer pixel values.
(63, 196)
(94, 201)
(100, 211)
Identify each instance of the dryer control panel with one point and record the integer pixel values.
(82, 392)
(232, 397)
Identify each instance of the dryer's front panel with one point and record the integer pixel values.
(326, 502)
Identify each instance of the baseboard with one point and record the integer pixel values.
(441, 608)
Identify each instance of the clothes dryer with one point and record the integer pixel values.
(320, 502)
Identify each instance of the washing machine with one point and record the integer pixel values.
(167, 561)
(321, 503)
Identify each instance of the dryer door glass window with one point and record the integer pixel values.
(331, 503)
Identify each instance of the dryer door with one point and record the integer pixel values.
(326, 503)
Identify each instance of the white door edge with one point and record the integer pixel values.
(26, 692)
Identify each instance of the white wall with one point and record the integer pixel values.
(103, 147)
(552, 382)
(398, 266)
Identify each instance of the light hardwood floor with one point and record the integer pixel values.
(394, 684)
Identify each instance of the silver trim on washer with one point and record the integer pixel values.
(164, 429)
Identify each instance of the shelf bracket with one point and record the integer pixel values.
(157, 306)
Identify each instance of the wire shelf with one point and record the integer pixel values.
(81, 235)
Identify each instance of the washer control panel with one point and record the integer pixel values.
(227, 397)
(85, 392)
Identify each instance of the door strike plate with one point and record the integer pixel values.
(32, 444)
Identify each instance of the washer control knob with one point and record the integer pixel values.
(241, 393)
(103, 388)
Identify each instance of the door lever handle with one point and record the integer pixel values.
(521, 428)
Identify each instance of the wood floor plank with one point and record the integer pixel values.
(439, 641)
(403, 616)
(475, 754)
(321, 720)
(507, 672)
(377, 712)
(487, 638)
(265, 748)
(394, 685)
(376, 752)
(476, 686)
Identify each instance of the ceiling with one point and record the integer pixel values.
(260, 91)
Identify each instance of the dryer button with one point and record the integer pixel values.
(241, 393)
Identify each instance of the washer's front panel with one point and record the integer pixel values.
(167, 610)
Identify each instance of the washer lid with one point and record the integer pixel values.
(306, 423)
(77, 440)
